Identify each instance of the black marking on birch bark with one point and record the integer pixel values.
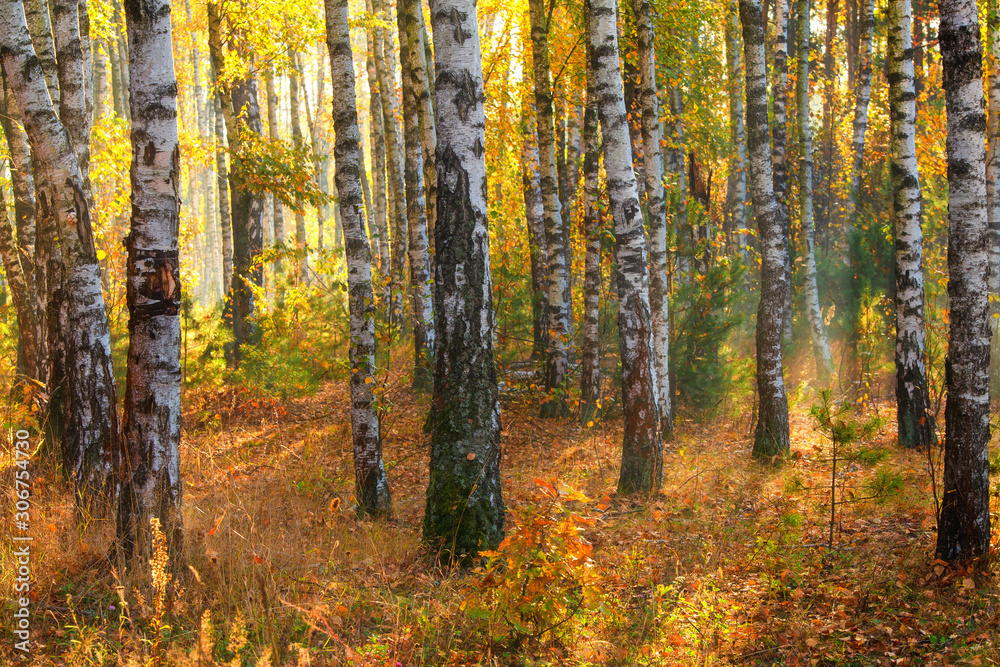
(466, 94)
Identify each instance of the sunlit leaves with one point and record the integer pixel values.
(272, 166)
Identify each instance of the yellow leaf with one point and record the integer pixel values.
(369, 380)
(101, 255)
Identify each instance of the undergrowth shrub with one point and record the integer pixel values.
(541, 577)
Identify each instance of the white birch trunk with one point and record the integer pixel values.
(642, 448)
(914, 416)
(736, 191)
(151, 427)
(91, 427)
(817, 328)
(465, 509)
(659, 293)
(410, 47)
(558, 320)
(590, 378)
(862, 96)
(371, 485)
(771, 437)
(964, 523)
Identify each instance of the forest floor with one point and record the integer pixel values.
(730, 564)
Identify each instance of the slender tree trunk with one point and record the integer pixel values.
(659, 294)
(371, 484)
(862, 95)
(913, 409)
(73, 85)
(420, 279)
(821, 342)
(558, 343)
(36, 14)
(91, 427)
(590, 379)
(277, 211)
(421, 66)
(301, 241)
(376, 127)
(781, 98)
(465, 508)
(993, 186)
(566, 215)
(964, 523)
(642, 448)
(151, 428)
(241, 114)
(222, 180)
(534, 215)
(736, 191)
(384, 66)
(18, 250)
(771, 437)
(824, 230)
(100, 59)
(674, 163)
(122, 51)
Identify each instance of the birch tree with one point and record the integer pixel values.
(91, 420)
(736, 191)
(914, 415)
(557, 360)
(862, 96)
(151, 427)
(534, 215)
(771, 436)
(659, 294)
(817, 327)
(964, 522)
(779, 175)
(590, 377)
(370, 483)
(376, 131)
(410, 49)
(465, 508)
(993, 182)
(642, 448)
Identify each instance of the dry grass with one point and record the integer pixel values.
(727, 565)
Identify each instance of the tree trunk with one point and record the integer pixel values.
(659, 294)
(19, 250)
(993, 186)
(964, 524)
(558, 343)
(100, 59)
(301, 242)
(465, 508)
(151, 428)
(384, 66)
(376, 127)
(826, 223)
(36, 14)
(420, 283)
(782, 98)
(277, 210)
(771, 437)
(817, 328)
(371, 484)
(222, 181)
(241, 114)
(534, 215)
(736, 191)
(674, 163)
(913, 409)
(642, 448)
(862, 95)
(73, 85)
(421, 65)
(91, 428)
(590, 378)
